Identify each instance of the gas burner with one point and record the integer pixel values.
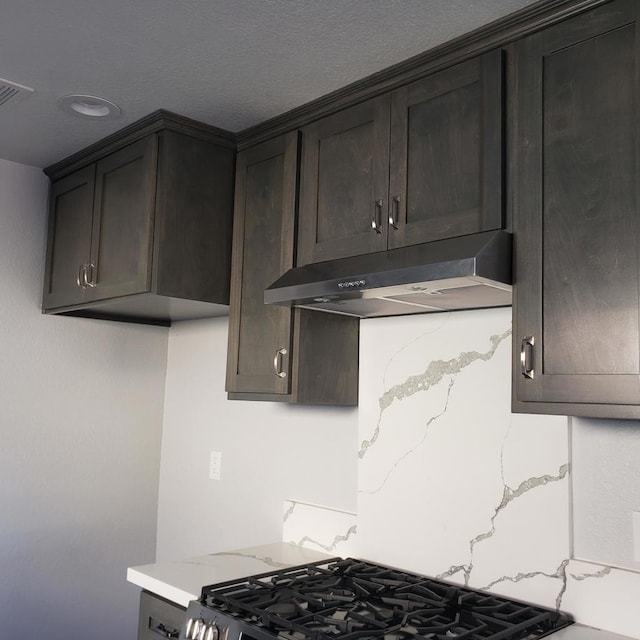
(359, 600)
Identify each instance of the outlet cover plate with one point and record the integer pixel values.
(215, 465)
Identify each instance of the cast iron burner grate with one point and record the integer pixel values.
(359, 600)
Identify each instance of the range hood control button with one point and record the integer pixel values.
(349, 284)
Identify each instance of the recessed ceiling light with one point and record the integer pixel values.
(89, 107)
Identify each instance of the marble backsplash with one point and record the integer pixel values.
(452, 484)
(319, 528)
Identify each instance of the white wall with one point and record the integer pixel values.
(81, 406)
(270, 452)
(606, 491)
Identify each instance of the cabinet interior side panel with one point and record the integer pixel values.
(443, 182)
(590, 268)
(261, 325)
(194, 228)
(346, 183)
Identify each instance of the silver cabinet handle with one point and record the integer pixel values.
(80, 278)
(90, 282)
(526, 357)
(278, 362)
(395, 210)
(376, 221)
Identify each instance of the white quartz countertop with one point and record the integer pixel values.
(580, 632)
(181, 581)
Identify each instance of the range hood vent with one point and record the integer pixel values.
(469, 272)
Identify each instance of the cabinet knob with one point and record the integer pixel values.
(278, 362)
(526, 357)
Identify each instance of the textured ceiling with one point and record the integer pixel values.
(232, 63)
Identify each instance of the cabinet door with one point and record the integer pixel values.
(69, 238)
(344, 185)
(123, 220)
(446, 154)
(263, 239)
(576, 181)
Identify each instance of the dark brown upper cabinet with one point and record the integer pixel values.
(421, 163)
(278, 353)
(345, 182)
(575, 173)
(140, 225)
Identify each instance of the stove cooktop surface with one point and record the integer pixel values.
(358, 600)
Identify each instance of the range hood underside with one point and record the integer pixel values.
(470, 272)
(445, 295)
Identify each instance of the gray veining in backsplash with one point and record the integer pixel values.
(400, 460)
(605, 571)
(433, 374)
(508, 495)
(331, 546)
(322, 529)
(437, 370)
(290, 508)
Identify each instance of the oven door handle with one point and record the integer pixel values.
(162, 630)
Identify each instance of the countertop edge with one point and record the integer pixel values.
(160, 588)
(181, 581)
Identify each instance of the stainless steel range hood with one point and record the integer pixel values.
(469, 272)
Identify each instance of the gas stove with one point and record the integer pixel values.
(349, 599)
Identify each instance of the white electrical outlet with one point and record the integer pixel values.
(636, 535)
(215, 465)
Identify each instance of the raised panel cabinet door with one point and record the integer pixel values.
(344, 183)
(446, 154)
(69, 239)
(260, 336)
(576, 179)
(124, 206)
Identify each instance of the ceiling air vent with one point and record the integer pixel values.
(11, 93)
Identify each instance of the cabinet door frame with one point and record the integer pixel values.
(272, 386)
(488, 71)
(75, 294)
(310, 250)
(145, 149)
(598, 395)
